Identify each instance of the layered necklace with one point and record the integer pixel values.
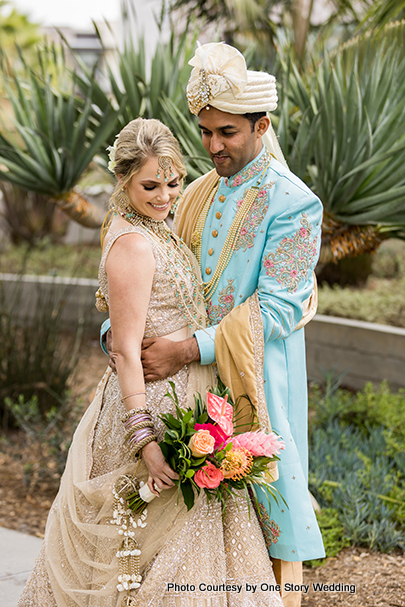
(233, 233)
(180, 263)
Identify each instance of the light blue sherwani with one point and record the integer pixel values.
(275, 254)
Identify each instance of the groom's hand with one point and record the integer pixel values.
(162, 357)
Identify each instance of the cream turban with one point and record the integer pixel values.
(221, 79)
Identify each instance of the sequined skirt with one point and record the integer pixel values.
(198, 558)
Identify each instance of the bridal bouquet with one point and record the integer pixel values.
(200, 445)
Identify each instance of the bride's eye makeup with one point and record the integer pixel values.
(152, 186)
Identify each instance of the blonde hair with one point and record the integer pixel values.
(140, 140)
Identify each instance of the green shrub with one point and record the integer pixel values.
(368, 408)
(381, 302)
(47, 435)
(333, 534)
(357, 461)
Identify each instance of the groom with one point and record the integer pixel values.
(255, 229)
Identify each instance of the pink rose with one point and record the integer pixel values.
(215, 431)
(201, 443)
(208, 477)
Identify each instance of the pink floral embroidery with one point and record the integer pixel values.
(253, 219)
(293, 258)
(226, 302)
(271, 530)
(249, 172)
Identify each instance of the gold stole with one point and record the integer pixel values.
(191, 204)
(239, 350)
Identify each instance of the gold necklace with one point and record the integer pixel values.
(199, 226)
(233, 233)
(176, 254)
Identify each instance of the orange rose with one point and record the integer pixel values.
(202, 443)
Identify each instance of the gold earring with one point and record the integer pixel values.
(122, 198)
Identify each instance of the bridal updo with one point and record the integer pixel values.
(138, 141)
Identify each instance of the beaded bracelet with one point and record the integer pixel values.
(134, 411)
(134, 440)
(138, 418)
(139, 429)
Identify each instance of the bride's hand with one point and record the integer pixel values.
(160, 473)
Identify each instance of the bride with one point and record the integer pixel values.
(96, 553)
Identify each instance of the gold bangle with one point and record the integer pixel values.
(142, 444)
(129, 395)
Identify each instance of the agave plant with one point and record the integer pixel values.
(140, 91)
(350, 146)
(161, 94)
(56, 134)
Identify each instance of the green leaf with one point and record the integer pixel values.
(188, 417)
(188, 494)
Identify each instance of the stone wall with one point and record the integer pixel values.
(368, 351)
(77, 296)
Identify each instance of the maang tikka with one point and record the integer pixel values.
(165, 164)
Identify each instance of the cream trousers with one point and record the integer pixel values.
(287, 572)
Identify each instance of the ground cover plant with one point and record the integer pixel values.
(357, 465)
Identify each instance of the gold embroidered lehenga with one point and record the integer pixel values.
(198, 551)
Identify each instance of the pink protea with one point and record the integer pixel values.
(259, 443)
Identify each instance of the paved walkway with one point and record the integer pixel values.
(18, 552)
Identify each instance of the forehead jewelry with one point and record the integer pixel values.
(165, 164)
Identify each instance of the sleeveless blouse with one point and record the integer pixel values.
(164, 314)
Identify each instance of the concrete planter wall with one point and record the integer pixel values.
(370, 352)
(76, 294)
